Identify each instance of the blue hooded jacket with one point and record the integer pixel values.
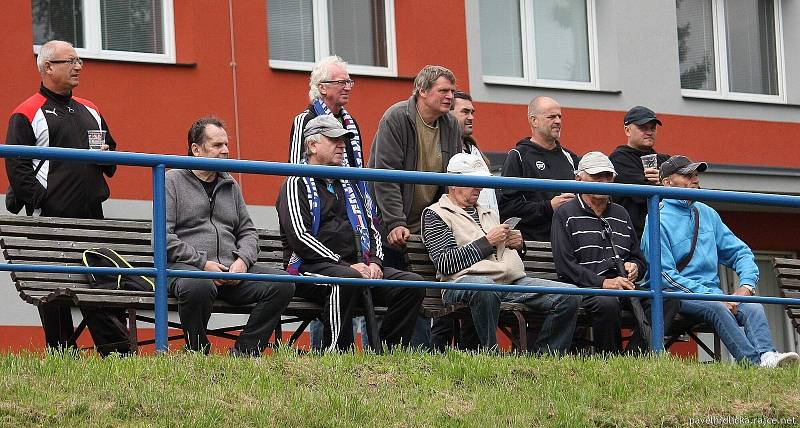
(716, 245)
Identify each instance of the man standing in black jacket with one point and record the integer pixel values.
(538, 156)
(629, 160)
(53, 117)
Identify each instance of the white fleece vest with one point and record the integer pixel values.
(504, 269)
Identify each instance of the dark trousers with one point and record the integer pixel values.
(640, 342)
(339, 301)
(107, 326)
(196, 297)
(606, 313)
(443, 332)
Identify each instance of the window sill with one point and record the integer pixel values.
(352, 69)
(739, 98)
(555, 87)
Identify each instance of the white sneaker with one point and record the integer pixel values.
(776, 359)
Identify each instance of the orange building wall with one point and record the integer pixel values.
(150, 106)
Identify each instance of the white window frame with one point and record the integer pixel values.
(529, 55)
(723, 91)
(322, 44)
(93, 40)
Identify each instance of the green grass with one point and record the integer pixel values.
(404, 389)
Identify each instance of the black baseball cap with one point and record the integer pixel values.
(679, 164)
(640, 115)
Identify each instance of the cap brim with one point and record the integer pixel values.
(692, 167)
(646, 120)
(336, 133)
(599, 169)
(482, 173)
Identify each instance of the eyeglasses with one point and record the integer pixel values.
(347, 82)
(73, 61)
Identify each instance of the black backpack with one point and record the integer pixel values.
(106, 257)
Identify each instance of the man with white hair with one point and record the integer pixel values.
(595, 246)
(468, 244)
(329, 91)
(54, 117)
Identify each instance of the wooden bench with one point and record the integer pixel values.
(516, 319)
(61, 241)
(787, 271)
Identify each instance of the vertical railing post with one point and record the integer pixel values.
(160, 256)
(654, 265)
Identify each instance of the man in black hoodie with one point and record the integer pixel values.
(538, 156)
(641, 129)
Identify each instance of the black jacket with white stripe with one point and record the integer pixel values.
(335, 242)
(296, 145)
(581, 248)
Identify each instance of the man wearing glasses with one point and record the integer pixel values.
(329, 91)
(53, 117)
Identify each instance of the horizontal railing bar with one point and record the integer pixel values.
(286, 169)
(363, 282)
(8, 267)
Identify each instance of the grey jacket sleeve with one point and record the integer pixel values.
(246, 234)
(177, 250)
(388, 153)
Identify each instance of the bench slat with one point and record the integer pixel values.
(80, 235)
(47, 245)
(75, 223)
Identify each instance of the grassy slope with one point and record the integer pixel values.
(404, 389)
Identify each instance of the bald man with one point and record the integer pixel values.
(538, 156)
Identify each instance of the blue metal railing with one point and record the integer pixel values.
(159, 163)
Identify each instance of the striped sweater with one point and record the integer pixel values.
(581, 248)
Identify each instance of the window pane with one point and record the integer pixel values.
(132, 25)
(291, 30)
(357, 31)
(752, 60)
(501, 40)
(696, 44)
(561, 40)
(58, 20)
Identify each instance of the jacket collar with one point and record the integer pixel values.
(63, 99)
(586, 208)
(679, 204)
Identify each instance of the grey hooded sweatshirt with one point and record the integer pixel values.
(200, 228)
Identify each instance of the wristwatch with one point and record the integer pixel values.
(750, 288)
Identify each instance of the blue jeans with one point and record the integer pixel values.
(746, 334)
(561, 309)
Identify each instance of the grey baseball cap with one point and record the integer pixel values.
(679, 164)
(326, 125)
